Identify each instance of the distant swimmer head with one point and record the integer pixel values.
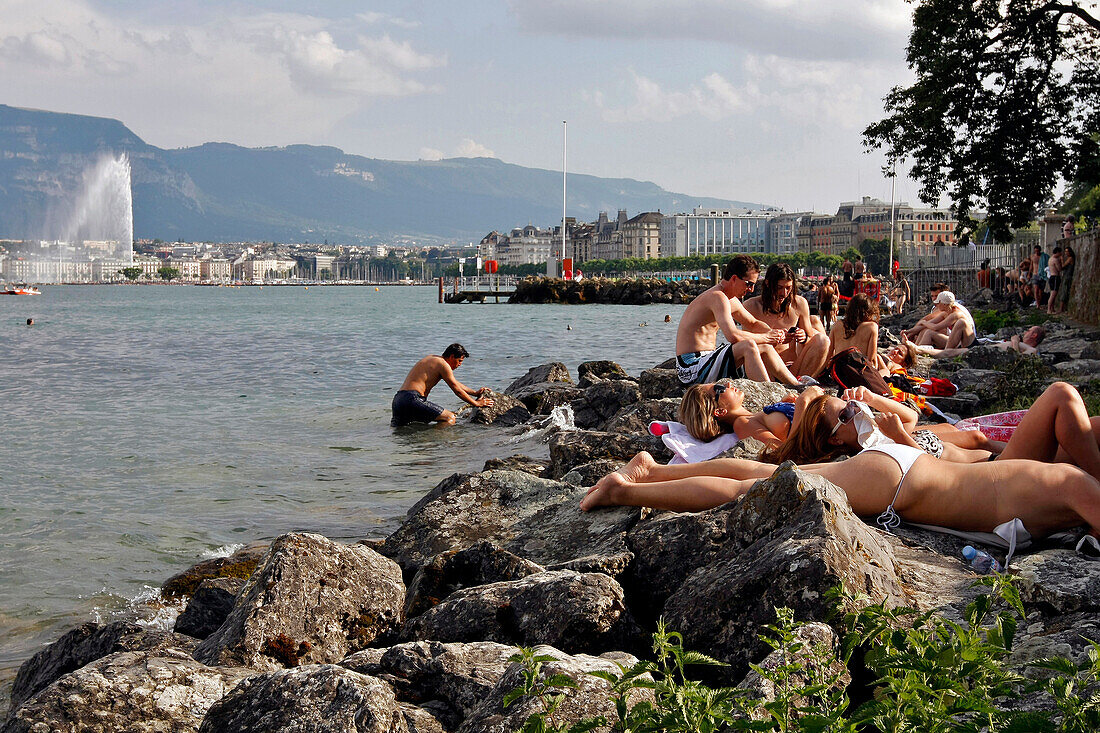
(568, 327)
(30, 321)
(668, 319)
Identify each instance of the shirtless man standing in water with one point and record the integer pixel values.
(748, 354)
(411, 404)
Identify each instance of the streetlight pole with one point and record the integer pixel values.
(893, 180)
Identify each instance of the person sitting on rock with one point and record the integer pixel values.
(933, 317)
(411, 404)
(858, 329)
(805, 347)
(955, 330)
(750, 353)
(890, 480)
(1028, 343)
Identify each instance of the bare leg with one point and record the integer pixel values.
(812, 355)
(967, 439)
(683, 495)
(445, 418)
(642, 468)
(747, 354)
(776, 367)
(937, 339)
(1057, 419)
(962, 335)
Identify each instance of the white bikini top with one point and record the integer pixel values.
(905, 456)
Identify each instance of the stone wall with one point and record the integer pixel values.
(1084, 301)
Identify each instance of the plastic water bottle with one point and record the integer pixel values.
(981, 561)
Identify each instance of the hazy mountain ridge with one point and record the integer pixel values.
(221, 191)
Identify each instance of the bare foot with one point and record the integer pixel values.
(638, 468)
(602, 493)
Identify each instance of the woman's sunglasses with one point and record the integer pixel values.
(718, 390)
(846, 415)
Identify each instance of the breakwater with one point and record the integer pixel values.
(618, 291)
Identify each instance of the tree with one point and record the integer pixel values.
(876, 254)
(1005, 99)
(164, 272)
(131, 273)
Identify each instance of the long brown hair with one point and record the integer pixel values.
(777, 272)
(808, 442)
(697, 412)
(909, 360)
(860, 310)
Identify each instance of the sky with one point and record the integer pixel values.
(751, 100)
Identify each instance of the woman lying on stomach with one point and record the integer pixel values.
(891, 476)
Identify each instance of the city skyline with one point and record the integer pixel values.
(760, 102)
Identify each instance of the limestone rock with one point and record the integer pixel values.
(450, 571)
(590, 698)
(602, 400)
(574, 448)
(591, 372)
(587, 474)
(449, 679)
(988, 357)
(84, 645)
(209, 607)
(238, 565)
(660, 383)
(310, 601)
(142, 692)
(555, 371)
(421, 719)
(791, 538)
(1065, 346)
(517, 462)
(981, 382)
(1079, 367)
(319, 698)
(541, 399)
(1058, 581)
(635, 418)
(963, 404)
(1064, 636)
(758, 394)
(568, 610)
(505, 411)
(537, 519)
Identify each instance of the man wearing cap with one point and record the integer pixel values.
(955, 330)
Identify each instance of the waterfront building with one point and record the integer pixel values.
(214, 268)
(783, 231)
(641, 236)
(713, 231)
(582, 243)
(609, 237)
(188, 267)
(869, 218)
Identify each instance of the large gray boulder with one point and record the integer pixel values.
(591, 372)
(568, 610)
(536, 519)
(240, 564)
(322, 698)
(209, 607)
(1058, 581)
(450, 571)
(1042, 637)
(1079, 367)
(138, 692)
(555, 371)
(635, 419)
(602, 400)
(517, 462)
(792, 537)
(311, 601)
(449, 679)
(988, 357)
(84, 645)
(590, 698)
(505, 411)
(758, 394)
(572, 448)
(660, 383)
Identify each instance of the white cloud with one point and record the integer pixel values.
(251, 78)
(430, 154)
(713, 98)
(832, 29)
(470, 149)
(373, 18)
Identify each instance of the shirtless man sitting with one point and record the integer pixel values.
(748, 354)
(804, 348)
(955, 330)
(933, 317)
(411, 404)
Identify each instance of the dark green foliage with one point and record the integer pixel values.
(131, 273)
(876, 254)
(1006, 98)
(925, 673)
(991, 321)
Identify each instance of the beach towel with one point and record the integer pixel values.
(685, 448)
(999, 426)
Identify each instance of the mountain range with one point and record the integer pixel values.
(225, 192)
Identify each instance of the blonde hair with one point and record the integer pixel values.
(808, 442)
(697, 412)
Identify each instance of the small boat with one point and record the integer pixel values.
(21, 290)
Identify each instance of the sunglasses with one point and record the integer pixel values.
(846, 415)
(718, 390)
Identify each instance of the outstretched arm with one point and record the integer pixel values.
(885, 405)
(463, 392)
(729, 313)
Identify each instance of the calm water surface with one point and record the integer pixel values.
(147, 427)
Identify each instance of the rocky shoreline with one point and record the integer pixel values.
(415, 632)
(614, 291)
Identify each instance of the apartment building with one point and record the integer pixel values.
(713, 231)
(641, 236)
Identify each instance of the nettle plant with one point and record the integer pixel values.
(909, 670)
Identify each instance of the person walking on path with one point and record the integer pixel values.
(411, 404)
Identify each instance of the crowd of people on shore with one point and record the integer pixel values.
(1045, 475)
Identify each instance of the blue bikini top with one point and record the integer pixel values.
(787, 408)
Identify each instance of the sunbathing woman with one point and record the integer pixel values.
(894, 477)
(708, 410)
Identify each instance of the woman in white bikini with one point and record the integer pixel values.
(898, 477)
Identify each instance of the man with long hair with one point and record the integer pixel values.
(750, 353)
(805, 348)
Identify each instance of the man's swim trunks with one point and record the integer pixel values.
(411, 406)
(697, 367)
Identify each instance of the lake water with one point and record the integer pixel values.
(147, 427)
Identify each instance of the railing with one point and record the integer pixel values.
(923, 256)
